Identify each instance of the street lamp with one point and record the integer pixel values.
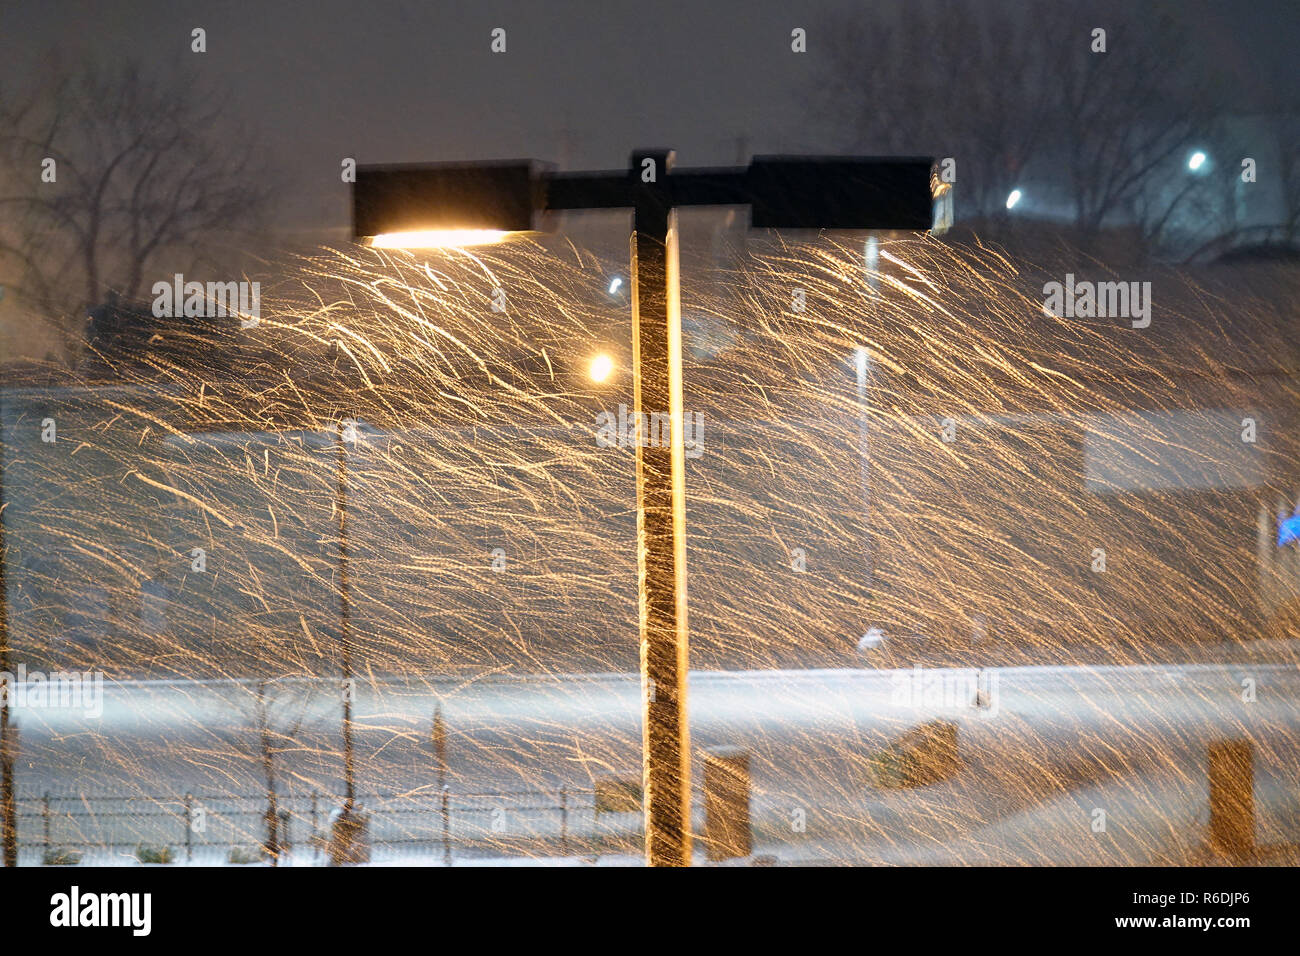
(601, 367)
(428, 202)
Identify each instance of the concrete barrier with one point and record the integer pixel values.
(726, 803)
(1232, 798)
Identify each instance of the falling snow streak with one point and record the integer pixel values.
(923, 450)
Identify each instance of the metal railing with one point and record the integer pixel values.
(422, 825)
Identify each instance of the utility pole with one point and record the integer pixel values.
(345, 620)
(349, 839)
(8, 729)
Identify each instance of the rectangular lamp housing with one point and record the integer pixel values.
(445, 196)
(841, 193)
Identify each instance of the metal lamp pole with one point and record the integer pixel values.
(661, 518)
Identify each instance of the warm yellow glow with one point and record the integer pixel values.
(437, 238)
(601, 367)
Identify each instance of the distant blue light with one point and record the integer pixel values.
(1288, 530)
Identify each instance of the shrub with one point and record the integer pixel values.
(920, 757)
(241, 856)
(147, 853)
(60, 856)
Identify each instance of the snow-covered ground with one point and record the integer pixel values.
(1052, 746)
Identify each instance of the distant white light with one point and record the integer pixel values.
(615, 284)
(1013, 198)
(1196, 160)
(872, 639)
(871, 255)
(601, 367)
(862, 360)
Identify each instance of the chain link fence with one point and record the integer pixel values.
(428, 826)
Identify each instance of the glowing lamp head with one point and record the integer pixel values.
(437, 238)
(602, 366)
(443, 205)
(1196, 161)
(1014, 198)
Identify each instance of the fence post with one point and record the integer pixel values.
(46, 815)
(564, 821)
(272, 818)
(286, 843)
(439, 734)
(189, 827)
(446, 827)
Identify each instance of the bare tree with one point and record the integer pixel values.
(272, 741)
(110, 177)
(1289, 152)
(930, 80)
(1124, 118)
(1021, 94)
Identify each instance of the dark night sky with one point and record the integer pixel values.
(408, 81)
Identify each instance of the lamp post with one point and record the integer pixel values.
(349, 836)
(443, 204)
